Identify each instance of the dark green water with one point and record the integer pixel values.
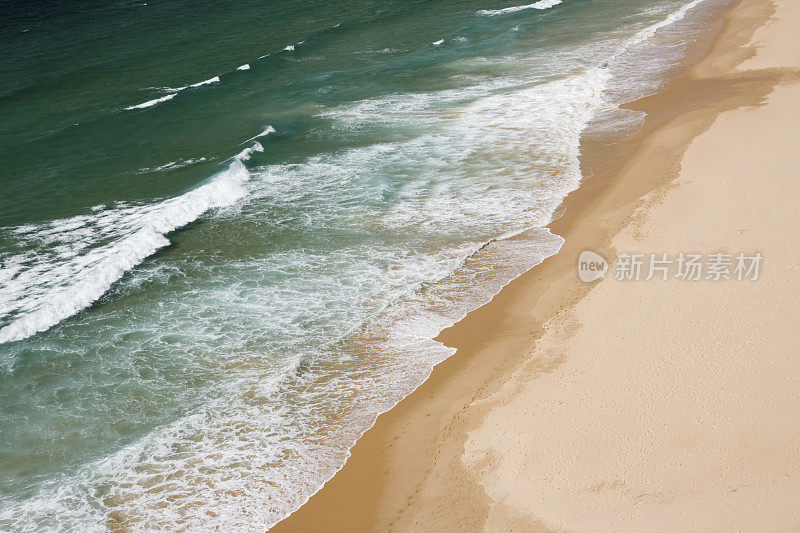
(229, 230)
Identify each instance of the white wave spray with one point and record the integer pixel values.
(152, 102)
(48, 292)
(541, 4)
(173, 92)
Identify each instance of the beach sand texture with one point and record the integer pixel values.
(626, 406)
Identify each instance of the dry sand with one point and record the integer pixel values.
(642, 405)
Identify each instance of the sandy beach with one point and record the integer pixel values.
(626, 405)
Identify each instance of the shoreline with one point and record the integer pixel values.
(407, 470)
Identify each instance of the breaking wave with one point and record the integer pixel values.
(44, 289)
(541, 4)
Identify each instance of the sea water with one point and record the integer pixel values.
(230, 231)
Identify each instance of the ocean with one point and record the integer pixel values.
(230, 231)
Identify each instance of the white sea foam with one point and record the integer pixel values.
(251, 429)
(215, 79)
(673, 17)
(52, 289)
(167, 89)
(173, 91)
(437, 43)
(172, 165)
(243, 67)
(289, 48)
(247, 153)
(382, 51)
(269, 129)
(153, 102)
(542, 4)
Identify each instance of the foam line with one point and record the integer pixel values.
(215, 79)
(541, 4)
(153, 102)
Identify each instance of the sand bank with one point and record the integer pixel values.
(640, 405)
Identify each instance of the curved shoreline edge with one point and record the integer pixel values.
(408, 471)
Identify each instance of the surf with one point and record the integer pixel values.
(541, 4)
(75, 284)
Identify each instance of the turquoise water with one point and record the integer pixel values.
(231, 230)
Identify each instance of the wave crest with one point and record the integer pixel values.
(541, 4)
(45, 289)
